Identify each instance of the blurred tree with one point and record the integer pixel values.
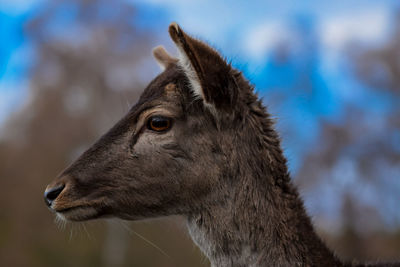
(352, 171)
(90, 64)
(294, 88)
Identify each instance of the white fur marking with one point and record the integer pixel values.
(187, 67)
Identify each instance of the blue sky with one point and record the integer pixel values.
(14, 54)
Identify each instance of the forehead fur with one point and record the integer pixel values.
(157, 88)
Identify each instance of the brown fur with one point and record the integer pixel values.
(220, 165)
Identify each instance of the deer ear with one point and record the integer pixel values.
(209, 75)
(163, 58)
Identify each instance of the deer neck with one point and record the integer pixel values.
(253, 227)
(260, 219)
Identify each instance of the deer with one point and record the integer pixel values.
(198, 143)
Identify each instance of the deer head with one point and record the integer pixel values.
(170, 153)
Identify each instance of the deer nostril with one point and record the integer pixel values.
(51, 194)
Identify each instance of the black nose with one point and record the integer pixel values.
(51, 194)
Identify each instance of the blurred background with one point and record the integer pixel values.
(329, 71)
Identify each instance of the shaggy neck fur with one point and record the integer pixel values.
(261, 220)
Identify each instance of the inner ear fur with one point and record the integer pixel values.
(209, 75)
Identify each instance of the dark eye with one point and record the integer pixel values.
(159, 123)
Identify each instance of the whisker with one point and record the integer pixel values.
(60, 222)
(70, 234)
(131, 231)
(87, 232)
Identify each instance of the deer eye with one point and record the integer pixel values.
(159, 123)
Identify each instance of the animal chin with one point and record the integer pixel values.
(78, 213)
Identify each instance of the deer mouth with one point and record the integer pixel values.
(78, 213)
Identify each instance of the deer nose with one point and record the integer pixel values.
(52, 193)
